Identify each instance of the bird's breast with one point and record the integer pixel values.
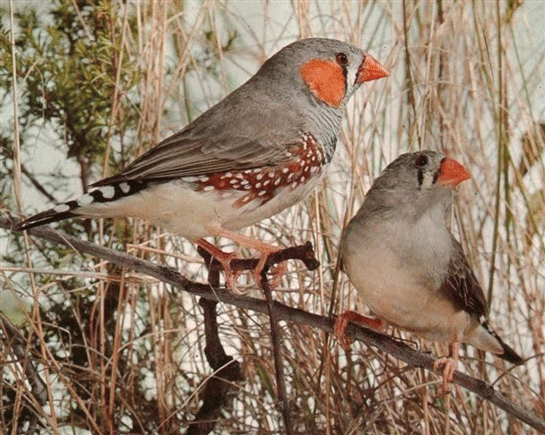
(397, 270)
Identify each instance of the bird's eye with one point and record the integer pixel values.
(421, 161)
(342, 59)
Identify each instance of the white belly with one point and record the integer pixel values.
(396, 272)
(188, 213)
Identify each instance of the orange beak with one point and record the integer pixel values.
(371, 69)
(451, 173)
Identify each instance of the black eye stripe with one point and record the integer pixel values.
(342, 61)
(420, 177)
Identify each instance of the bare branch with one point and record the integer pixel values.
(227, 371)
(305, 253)
(277, 352)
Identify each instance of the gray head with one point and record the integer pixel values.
(331, 69)
(414, 183)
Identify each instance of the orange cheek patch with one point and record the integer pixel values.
(326, 81)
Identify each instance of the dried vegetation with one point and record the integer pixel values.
(100, 349)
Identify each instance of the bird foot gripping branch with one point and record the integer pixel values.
(304, 253)
(447, 365)
(351, 316)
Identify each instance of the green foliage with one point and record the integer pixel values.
(68, 63)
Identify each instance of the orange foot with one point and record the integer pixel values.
(225, 258)
(351, 316)
(448, 365)
(277, 272)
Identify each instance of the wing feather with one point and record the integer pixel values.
(221, 139)
(461, 285)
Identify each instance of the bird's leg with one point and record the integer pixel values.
(351, 316)
(448, 364)
(225, 260)
(277, 271)
(265, 249)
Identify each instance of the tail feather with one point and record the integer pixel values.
(508, 353)
(70, 209)
(54, 214)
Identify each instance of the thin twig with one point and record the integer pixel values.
(399, 350)
(277, 353)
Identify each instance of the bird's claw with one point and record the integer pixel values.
(339, 330)
(446, 366)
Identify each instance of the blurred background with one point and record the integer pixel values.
(88, 86)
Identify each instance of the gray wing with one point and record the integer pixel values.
(236, 134)
(461, 285)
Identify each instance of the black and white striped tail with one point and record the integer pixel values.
(508, 353)
(102, 194)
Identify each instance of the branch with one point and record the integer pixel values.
(305, 253)
(38, 185)
(227, 370)
(277, 351)
(385, 343)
